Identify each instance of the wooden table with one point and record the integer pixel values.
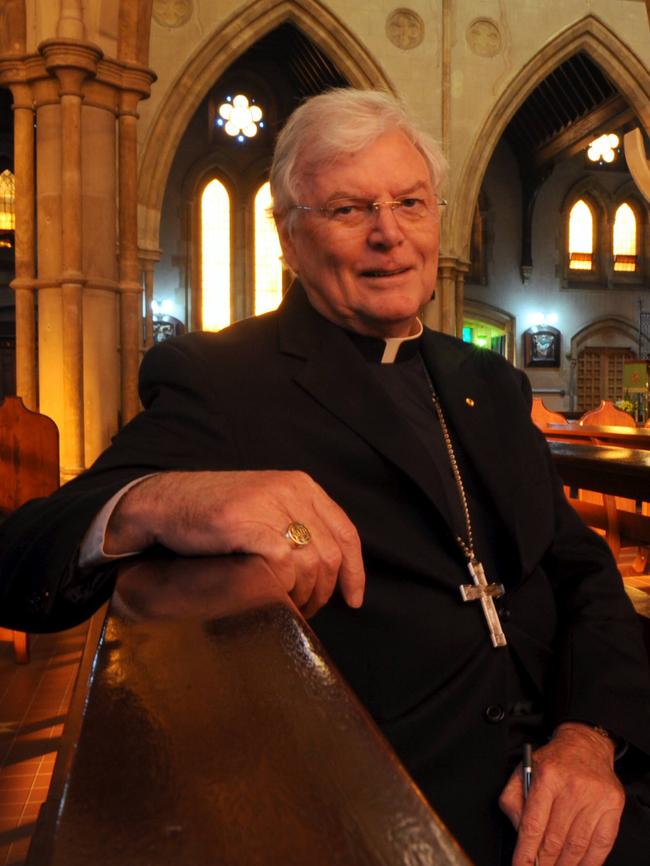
(630, 437)
(605, 468)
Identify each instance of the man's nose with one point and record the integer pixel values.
(386, 231)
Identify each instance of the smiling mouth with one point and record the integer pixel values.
(385, 273)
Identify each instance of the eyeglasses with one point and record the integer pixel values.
(361, 212)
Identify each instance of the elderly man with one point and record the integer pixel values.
(391, 478)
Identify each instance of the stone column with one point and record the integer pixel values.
(447, 271)
(148, 259)
(101, 369)
(70, 24)
(462, 268)
(71, 63)
(48, 224)
(23, 284)
(130, 287)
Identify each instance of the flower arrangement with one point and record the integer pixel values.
(626, 406)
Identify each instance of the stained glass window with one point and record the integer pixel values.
(215, 256)
(581, 237)
(7, 210)
(624, 239)
(268, 264)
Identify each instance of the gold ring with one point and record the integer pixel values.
(298, 534)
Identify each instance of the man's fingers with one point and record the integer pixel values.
(572, 814)
(511, 801)
(351, 573)
(602, 839)
(532, 826)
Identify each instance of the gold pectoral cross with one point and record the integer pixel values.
(486, 592)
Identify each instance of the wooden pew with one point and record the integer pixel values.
(209, 727)
(607, 413)
(29, 467)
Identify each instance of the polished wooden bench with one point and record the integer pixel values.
(209, 727)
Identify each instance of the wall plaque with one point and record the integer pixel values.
(483, 37)
(405, 28)
(172, 13)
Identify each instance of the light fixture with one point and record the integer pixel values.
(604, 148)
(239, 118)
(162, 308)
(537, 319)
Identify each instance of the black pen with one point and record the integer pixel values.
(527, 768)
(527, 773)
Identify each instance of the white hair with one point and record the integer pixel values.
(337, 122)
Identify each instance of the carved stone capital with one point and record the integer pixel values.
(12, 70)
(148, 257)
(127, 76)
(70, 61)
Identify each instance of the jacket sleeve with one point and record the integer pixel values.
(41, 588)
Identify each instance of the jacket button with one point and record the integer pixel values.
(494, 713)
(504, 614)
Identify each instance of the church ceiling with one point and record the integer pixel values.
(573, 105)
(302, 65)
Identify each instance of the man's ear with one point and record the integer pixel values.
(287, 243)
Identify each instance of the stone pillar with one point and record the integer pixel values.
(148, 259)
(101, 370)
(130, 287)
(71, 63)
(48, 224)
(77, 94)
(23, 284)
(70, 24)
(462, 268)
(447, 271)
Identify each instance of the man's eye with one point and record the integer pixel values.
(411, 203)
(345, 209)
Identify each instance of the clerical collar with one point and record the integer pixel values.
(387, 350)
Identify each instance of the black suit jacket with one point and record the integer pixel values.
(290, 390)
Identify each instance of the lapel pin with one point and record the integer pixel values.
(469, 401)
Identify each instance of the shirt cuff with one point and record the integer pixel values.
(91, 551)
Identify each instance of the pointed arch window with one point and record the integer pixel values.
(581, 237)
(215, 256)
(625, 239)
(268, 262)
(7, 209)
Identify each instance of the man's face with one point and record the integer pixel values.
(374, 277)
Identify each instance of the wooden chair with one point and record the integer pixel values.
(607, 413)
(29, 467)
(541, 415)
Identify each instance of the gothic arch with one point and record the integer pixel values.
(211, 61)
(610, 330)
(589, 35)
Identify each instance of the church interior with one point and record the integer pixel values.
(135, 142)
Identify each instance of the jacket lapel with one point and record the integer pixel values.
(335, 374)
(468, 404)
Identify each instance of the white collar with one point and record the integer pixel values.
(392, 344)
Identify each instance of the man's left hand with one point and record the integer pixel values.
(575, 801)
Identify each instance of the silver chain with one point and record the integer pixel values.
(466, 546)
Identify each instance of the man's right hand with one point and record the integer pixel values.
(202, 513)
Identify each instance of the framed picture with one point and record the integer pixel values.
(542, 346)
